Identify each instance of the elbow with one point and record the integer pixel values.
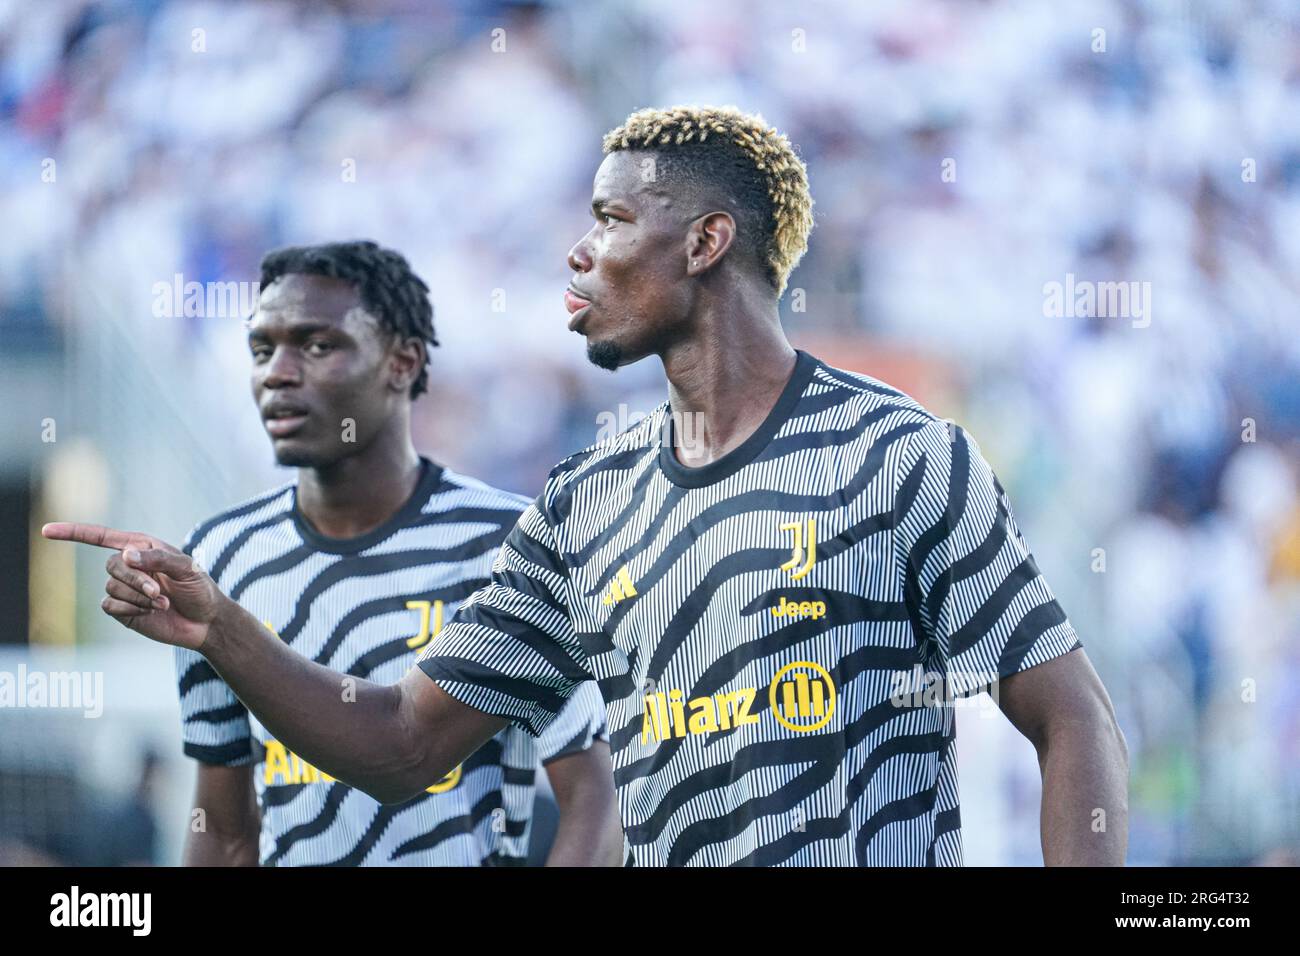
(407, 777)
(396, 786)
(389, 794)
(408, 765)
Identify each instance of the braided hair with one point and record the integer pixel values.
(388, 289)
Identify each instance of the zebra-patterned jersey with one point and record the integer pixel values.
(365, 606)
(780, 637)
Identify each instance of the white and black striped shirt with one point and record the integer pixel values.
(762, 627)
(366, 606)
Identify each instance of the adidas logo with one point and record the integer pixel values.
(619, 589)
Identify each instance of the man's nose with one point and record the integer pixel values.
(282, 368)
(580, 256)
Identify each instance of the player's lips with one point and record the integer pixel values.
(284, 427)
(284, 418)
(575, 303)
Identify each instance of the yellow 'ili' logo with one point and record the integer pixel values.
(804, 552)
(619, 589)
(807, 700)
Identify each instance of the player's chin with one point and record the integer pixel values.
(293, 454)
(604, 354)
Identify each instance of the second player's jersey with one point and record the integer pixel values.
(366, 607)
(779, 636)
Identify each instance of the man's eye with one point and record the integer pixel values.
(319, 347)
(260, 352)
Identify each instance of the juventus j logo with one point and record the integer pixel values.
(427, 628)
(804, 552)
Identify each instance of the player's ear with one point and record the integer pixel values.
(707, 241)
(405, 361)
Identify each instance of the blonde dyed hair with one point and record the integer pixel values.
(748, 145)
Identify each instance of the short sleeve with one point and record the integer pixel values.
(214, 723)
(510, 650)
(580, 723)
(977, 601)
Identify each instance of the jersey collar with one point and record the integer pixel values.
(430, 477)
(749, 449)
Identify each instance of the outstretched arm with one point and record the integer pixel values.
(389, 741)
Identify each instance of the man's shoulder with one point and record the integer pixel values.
(866, 409)
(899, 427)
(868, 395)
(456, 490)
(271, 505)
(460, 504)
(622, 452)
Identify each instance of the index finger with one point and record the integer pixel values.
(95, 534)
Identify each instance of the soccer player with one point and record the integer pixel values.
(356, 566)
(780, 602)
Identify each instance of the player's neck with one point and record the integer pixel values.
(357, 494)
(728, 377)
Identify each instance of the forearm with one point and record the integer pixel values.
(391, 742)
(1085, 794)
(353, 729)
(585, 840)
(590, 832)
(213, 848)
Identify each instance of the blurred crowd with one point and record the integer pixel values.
(963, 157)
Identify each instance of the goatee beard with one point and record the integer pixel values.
(604, 355)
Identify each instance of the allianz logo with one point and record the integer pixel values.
(801, 697)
